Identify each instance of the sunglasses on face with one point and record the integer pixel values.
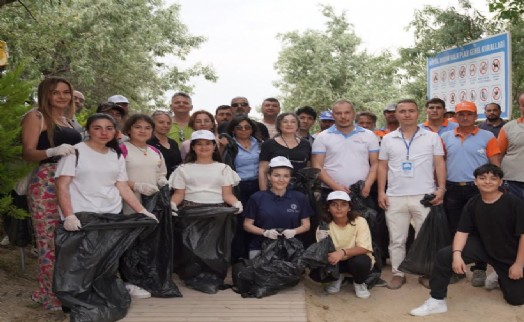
(243, 128)
(244, 104)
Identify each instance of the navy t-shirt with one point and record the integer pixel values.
(499, 225)
(271, 212)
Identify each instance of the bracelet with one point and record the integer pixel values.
(344, 251)
(457, 250)
(441, 188)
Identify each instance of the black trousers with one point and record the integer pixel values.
(512, 290)
(455, 199)
(359, 266)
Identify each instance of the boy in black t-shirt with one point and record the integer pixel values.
(491, 230)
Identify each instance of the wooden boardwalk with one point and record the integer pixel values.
(286, 306)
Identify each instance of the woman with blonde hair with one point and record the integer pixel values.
(47, 135)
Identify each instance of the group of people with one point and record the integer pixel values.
(229, 159)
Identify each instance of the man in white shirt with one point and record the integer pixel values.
(409, 158)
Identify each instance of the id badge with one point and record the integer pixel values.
(408, 169)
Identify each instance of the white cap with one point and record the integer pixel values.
(202, 135)
(338, 195)
(118, 99)
(280, 162)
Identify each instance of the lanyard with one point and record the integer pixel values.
(408, 145)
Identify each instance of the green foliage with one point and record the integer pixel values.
(13, 94)
(511, 10)
(435, 30)
(104, 47)
(318, 67)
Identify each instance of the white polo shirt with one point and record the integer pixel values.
(423, 148)
(346, 156)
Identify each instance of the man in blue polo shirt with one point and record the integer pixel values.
(467, 148)
(345, 153)
(436, 122)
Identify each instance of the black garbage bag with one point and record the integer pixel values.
(85, 274)
(277, 266)
(19, 231)
(306, 179)
(433, 235)
(367, 209)
(315, 257)
(145, 263)
(364, 206)
(203, 253)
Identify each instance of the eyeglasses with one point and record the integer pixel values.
(181, 135)
(243, 104)
(243, 128)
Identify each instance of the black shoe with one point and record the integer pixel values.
(456, 277)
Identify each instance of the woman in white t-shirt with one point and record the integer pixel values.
(352, 239)
(95, 179)
(203, 179)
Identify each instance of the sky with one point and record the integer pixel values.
(242, 44)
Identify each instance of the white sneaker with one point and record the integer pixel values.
(334, 287)
(137, 292)
(361, 290)
(492, 281)
(431, 306)
(5, 241)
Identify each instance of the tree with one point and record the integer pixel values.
(13, 95)
(103, 47)
(435, 30)
(511, 10)
(317, 67)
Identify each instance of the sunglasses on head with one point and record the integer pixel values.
(243, 104)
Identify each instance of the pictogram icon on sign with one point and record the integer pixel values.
(495, 65)
(452, 74)
(483, 67)
(484, 94)
(462, 96)
(462, 71)
(496, 93)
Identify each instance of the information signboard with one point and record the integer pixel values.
(479, 71)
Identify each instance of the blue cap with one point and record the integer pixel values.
(326, 115)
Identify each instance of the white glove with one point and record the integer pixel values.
(174, 209)
(271, 234)
(71, 223)
(61, 150)
(322, 234)
(289, 233)
(162, 181)
(148, 214)
(239, 206)
(146, 189)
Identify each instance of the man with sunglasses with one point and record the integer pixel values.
(240, 106)
(181, 106)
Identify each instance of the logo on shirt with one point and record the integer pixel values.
(481, 151)
(294, 208)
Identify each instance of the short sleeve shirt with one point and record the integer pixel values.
(271, 211)
(93, 186)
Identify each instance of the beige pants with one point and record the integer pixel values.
(403, 211)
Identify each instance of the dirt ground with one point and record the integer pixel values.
(465, 303)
